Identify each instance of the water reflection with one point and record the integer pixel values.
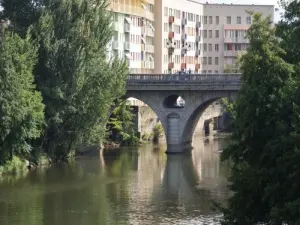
(131, 186)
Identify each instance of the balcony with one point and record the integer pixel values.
(183, 52)
(150, 48)
(183, 37)
(149, 1)
(127, 9)
(171, 65)
(197, 66)
(171, 35)
(198, 25)
(150, 32)
(171, 19)
(115, 26)
(198, 38)
(183, 21)
(126, 46)
(183, 66)
(115, 45)
(149, 65)
(239, 40)
(230, 53)
(127, 28)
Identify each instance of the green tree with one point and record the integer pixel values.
(21, 108)
(121, 125)
(288, 30)
(21, 13)
(77, 82)
(262, 147)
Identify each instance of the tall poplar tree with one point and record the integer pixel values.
(21, 108)
(265, 175)
(77, 82)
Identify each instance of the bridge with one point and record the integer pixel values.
(161, 91)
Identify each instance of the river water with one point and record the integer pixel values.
(132, 186)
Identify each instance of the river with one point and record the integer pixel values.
(137, 186)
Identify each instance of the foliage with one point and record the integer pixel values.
(78, 84)
(14, 166)
(262, 147)
(121, 126)
(21, 108)
(158, 131)
(21, 13)
(288, 30)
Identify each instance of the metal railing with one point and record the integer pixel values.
(163, 79)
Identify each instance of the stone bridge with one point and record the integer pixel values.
(161, 91)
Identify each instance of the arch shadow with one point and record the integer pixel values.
(193, 120)
(152, 106)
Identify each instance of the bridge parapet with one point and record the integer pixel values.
(184, 81)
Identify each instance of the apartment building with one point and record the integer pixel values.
(201, 38)
(133, 24)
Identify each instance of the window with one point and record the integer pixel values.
(210, 19)
(209, 60)
(216, 60)
(216, 47)
(204, 47)
(204, 33)
(217, 20)
(210, 47)
(165, 27)
(210, 33)
(177, 29)
(204, 71)
(205, 20)
(228, 19)
(248, 20)
(238, 20)
(197, 18)
(216, 71)
(217, 33)
(166, 11)
(209, 71)
(204, 60)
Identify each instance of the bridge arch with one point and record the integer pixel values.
(150, 102)
(198, 111)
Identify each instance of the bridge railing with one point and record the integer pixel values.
(183, 78)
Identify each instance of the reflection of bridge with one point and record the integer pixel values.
(161, 91)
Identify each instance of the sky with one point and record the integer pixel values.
(249, 2)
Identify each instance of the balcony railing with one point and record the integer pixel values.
(127, 9)
(240, 40)
(150, 48)
(126, 46)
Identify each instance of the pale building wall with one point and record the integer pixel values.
(210, 45)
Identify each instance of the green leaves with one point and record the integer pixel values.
(77, 83)
(263, 146)
(21, 108)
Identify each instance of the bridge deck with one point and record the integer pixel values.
(162, 82)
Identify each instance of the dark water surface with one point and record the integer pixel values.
(135, 186)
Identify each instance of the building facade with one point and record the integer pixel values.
(201, 38)
(168, 36)
(133, 24)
